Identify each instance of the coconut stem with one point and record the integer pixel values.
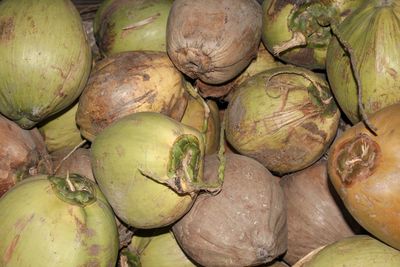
(68, 155)
(221, 153)
(69, 183)
(194, 92)
(206, 115)
(353, 64)
(298, 39)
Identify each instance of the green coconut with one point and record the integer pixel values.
(373, 34)
(150, 168)
(355, 251)
(121, 25)
(299, 31)
(284, 117)
(155, 249)
(57, 221)
(45, 58)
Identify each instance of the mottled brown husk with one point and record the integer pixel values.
(213, 40)
(127, 83)
(315, 214)
(22, 154)
(243, 225)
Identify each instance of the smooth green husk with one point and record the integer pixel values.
(355, 251)
(45, 223)
(373, 34)
(61, 131)
(150, 167)
(45, 58)
(157, 249)
(122, 25)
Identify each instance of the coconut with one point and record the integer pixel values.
(316, 215)
(372, 35)
(213, 40)
(57, 221)
(364, 169)
(150, 167)
(285, 118)
(122, 25)
(155, 248)
(243, 225)
(299, 31)
(355, 251)
(130, 82)
(22, 154)
(45, 59)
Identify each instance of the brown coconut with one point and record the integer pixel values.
(243, 225)
(127, 83)
(22, 154)
(315, 214)
(213, 40)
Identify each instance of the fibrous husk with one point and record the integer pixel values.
(315, 214)
(22, 154)
(364, 169)
(130, 82)
(213, 40)
(243, 225)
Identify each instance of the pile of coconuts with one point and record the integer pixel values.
(199, 133)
